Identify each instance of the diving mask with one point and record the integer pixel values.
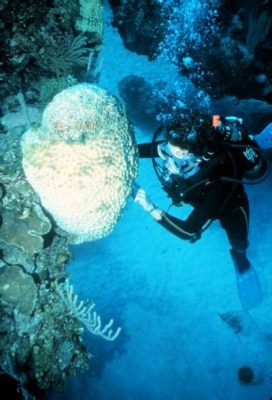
(178, 161)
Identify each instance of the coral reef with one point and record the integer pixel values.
(90, 20)
(82, 163)
(17, 289)
(25, 229)
(45, 47)
(45, 346)
(23, 221)
(140, 24)
(48, 88)
(42, 319)
(222, 46)
(46, 40)
(37, 334)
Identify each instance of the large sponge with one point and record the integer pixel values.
(82, 161)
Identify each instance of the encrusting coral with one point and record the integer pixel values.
(25, 230)
(82, 161)
(17, 289)
(90, 18)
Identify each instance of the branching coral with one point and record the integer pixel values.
(85, 314)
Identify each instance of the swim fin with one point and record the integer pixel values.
(249, 288)
(248, 284)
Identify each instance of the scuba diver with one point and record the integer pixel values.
(204, 160)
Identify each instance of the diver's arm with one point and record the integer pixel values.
(186, 230)
(178, 227)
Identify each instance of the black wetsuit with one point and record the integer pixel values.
(215, 191)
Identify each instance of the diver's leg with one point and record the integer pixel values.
(235, 224)
(248, 284)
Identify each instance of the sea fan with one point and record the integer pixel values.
(64, 54)
(83, 311)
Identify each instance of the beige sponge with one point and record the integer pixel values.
(82, 161)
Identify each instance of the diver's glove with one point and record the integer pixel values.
(142, 198)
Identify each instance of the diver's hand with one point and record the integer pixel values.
(142, 198)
